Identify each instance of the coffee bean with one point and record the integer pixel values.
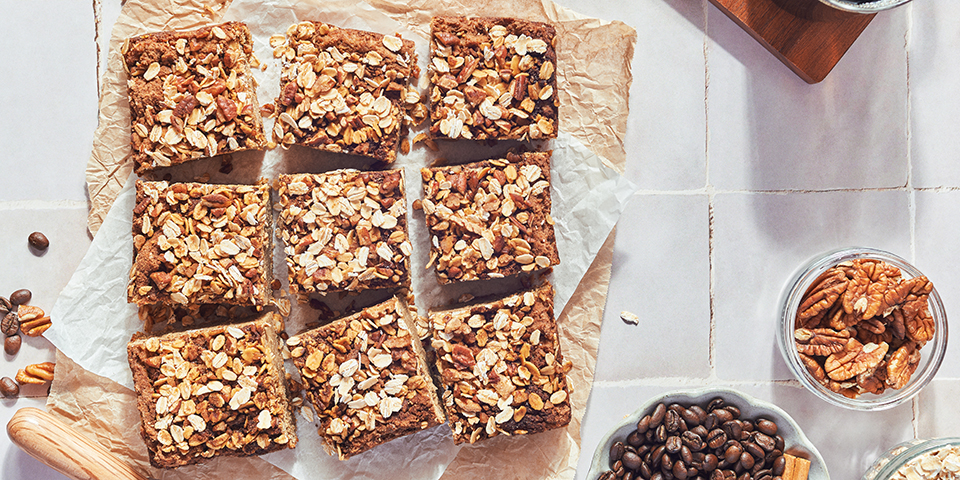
(656, 476)
(672, 421)
(661, 433)
(716, 438)
(692, 441)
(771, 456)
(765, 442)
(746, 461)
(745, 476)
(645, 470)
(608, 475)
(747, 426)
(634, 439)
(732, 455)
(657, 455)
(20, 297)
(5, 306)
(628, 475)
(673, 444)
(10, 324)
(617, 466)
(679, 471)
(701, 431)
(11, 344)
(38, 240)
(779, 465)
(733, 429)
(710, 422)
(754, 450)
(656, 418)
(767, 427)
(686, 455)
(690, 417)
(631, 461)
(733, 411)
(723, 415)
(780, 443)
(715, 404)
(710, 462)
(643, 425)
(8, 387)
(616, 452)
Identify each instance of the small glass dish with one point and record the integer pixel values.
(931, 354)
(886, 467)
(864, 6)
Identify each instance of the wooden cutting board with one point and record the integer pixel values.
(806, 35)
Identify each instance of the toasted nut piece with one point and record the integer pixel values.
(38, 373)
(35, 327)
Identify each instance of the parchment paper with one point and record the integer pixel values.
(92, 321)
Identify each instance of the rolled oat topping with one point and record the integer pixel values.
(344, 231)
(491, 218)
(343, 90)
(492, 78)
(367, 379)
(501, 366)
(201, 244)
(215, 391)
(191, 95)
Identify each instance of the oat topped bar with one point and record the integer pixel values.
(490, 219)
(367, 378)
(214, 391)
(196, 243)
(344, 230)
(501, 366)
(343, 90)
(492, 78)
(191, 95)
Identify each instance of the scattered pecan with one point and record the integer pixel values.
(38, 373)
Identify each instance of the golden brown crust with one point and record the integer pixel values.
(213, 391)
(490, 219)
(493, 78)
(343, 90)
(344, 230)
(501, 366)
(367, 379)
(201, 244)
(191, 95)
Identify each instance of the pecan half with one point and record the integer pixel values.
(855, 359)
(822, 296)
(820, 341)
(902, 364)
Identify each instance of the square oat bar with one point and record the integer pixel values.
(213, 391)
(501, 366)
(367, 378)
(196, 243)
(191, 95)
(492, 78)
(344, 231)
(343, 90)
(491, 218)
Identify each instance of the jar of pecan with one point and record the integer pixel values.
(862, 328)
(931, 459)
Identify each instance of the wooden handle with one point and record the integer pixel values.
(52, 442)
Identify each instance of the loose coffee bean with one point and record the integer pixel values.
(732, 455)
(661, 434)
(679, 471)
(20, 297)
(692, 441)
(710, 422)
(771, 456)
(733, 429)
(656, 418)
(690, 417)
(38, 240)
(628, 475)
(780, 443)
(754, 450)
(715, 404)
(656, 476)
(5, 306)
(765, 442)
(11, 344)
(672, 421)
(699, 412)
(634, 439)
(710, 462)
(779, 465)
(723, 415)
(733, 411)
(643, 425)
(747, 426)
(716, 438)
(608, 475)
(631, 461)
(686, 455)
(8, 387)
(701, 431)
(666, 463)
(10, 324)
(746, 461)
(656, 456)
(745, 476)
(616, 452)
(617, 467)
(767, 427)
(645, 471)
(673, 444)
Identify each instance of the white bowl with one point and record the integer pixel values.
(795, 441)
(865, 7)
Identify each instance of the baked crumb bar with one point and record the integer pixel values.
(196, 243)
(344, 231)
(491, 218)
(501, 366)
(191, 95)
(367, 378)
(343, 90)
(213, 391)
(492, 78)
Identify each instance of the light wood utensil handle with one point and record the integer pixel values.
(54, 443)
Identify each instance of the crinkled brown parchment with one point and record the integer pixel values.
(594, 89)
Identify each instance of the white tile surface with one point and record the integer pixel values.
(934, 102)
(769, 130)
(760, 239)
(49, 98)
(938, 402)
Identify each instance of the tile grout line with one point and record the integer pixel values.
(97, 9)
(708, 189)
(911, 191)
(42, 204)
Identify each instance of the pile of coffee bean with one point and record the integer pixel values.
(698, 442)
(10, 327)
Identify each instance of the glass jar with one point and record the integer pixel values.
(899, 456)
(931, 355)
